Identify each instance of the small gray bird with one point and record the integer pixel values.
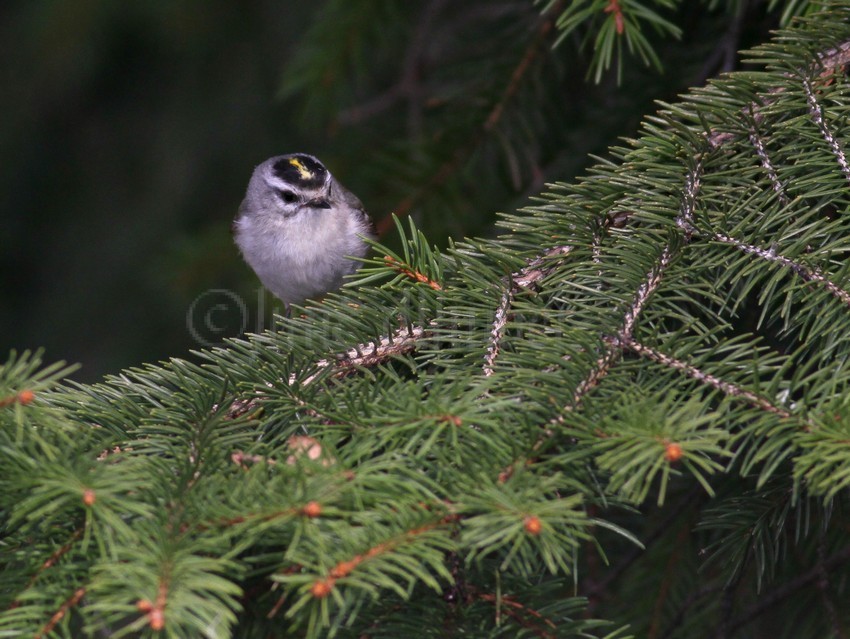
(298, 228)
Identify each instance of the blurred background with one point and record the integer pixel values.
(128, 132)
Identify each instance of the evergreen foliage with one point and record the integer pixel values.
(624, 416)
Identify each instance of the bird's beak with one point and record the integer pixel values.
(319, 203)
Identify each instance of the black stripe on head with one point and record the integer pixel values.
(301, 170)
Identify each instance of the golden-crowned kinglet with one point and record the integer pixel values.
(298, 228)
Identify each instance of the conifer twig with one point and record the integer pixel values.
(498, 330)
(727, 388)
(830, 61)
(322, 587)
(806, 273)
(534, 271)
(69, 603)
(399, 342)
(833, 59)
(58, 553)
(819, 118)
(761, 151)
(613, 351)
(412, 273)
(50, 562)
(521, 613)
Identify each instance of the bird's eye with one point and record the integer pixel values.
(287, 196)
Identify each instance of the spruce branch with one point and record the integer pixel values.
(57, 616)
(324, 584)
(757, 141)
(523, 615)
(535, 270)
(810, 274)
(693, 372)
(500, 322)
(819, 117)
(399, 342)
(411, 272)
(413, 486)
(613, 350)
(622, 24)
(835, 58)
(830, 61)
(685, 219)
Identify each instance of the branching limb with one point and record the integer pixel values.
(613, 351)
(396, 343)
(399, 342)
(69, 603)
(727, 388)
(819, 118)
(523, 615)
(536, 269)
(412, 273)
(831, 61)
(807, 273)
(761, 151)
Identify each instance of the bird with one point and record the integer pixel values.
(299, 229)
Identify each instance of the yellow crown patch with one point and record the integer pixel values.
(303, 171)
